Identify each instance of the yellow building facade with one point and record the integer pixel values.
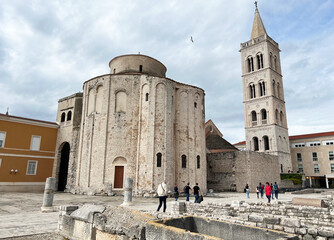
(27, 150)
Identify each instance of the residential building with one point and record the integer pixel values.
(27, 149)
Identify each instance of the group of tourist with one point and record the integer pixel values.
(163, 193)
(270, 190)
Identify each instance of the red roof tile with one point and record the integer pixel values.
(30, 119)
(312, 135)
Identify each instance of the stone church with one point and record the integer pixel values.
(133, 122)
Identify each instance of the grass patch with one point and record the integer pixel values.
(295, 177)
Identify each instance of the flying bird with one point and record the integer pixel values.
(191, 39)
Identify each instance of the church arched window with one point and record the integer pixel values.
(159, 155)
(198, 161)
(259, 58)
(146, 97)
(266, 142)
(256, 143)
(276, 115)
(120, 102)
(184, 161)
(69, 116)
(99, 99)
(275, 63)
(63, 116)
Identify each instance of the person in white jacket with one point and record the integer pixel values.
(162, 193)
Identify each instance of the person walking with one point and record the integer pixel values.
(272, 190)
(186, 190)
(162, 193)
(257, 191)
(247, 190)
(276, 190)
(176, 192)
(261, 188)
(197, 192)
(268, 191)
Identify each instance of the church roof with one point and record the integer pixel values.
(258, 27)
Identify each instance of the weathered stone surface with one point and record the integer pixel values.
(255, 218)
(86, 212)
(309, 202)
(290, 222)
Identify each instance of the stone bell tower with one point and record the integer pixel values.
(264, 106)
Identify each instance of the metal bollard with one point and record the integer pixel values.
(50, 186)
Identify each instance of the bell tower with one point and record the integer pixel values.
(264, 106)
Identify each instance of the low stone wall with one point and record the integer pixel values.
(307, 222)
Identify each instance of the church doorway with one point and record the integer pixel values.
(119, 175)
(63, 167)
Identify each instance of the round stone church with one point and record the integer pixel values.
(133, 122)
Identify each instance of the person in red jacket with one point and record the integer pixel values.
(268, 191)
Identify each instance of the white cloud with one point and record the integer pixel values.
(49, 48)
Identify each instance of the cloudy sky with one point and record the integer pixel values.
(49, 48)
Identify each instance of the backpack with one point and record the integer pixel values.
(262, 186)
(275, 186)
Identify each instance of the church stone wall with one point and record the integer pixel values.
(233, 170)
(69, 132)
(128, 120)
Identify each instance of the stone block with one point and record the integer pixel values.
(326, 232)
(308, 237)
(312, 231)
(290, 222)
(309, 202)
(271, 220)
(301, 231)
(289, 229)
(255, 218)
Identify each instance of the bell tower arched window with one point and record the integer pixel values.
(259, 58)
(256, 143)
(159, 155)
(262, 88)
(252, 91)
(274, 88)
(271, 60)
(264, 116)
(275, 63)
(254, 118)
(250, 64)
(266, 142)
(278, 91)
(69, 116)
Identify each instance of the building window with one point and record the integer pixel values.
(254, 118)
(299, 157)
(146, 97)
(315, 156)
(262, 88)
(259, 61)
(62, 118)
(121, 98)
(300, 168)
(316, 168)
(297, 145)
(274, 88)
(184, 161)
(159, 159)
(275, 63)
(32, 167)
(69, 116)
(211, 128)
(2, 139)
(264, 116)
(266, 142)
(331, 155)
(276, 115)
(271, 60)
(332, 168)
(35, 143)
(0, 162)
(278, 91)
(198, 161)
(140, 68)
(252, 91)
(329, 143)
(256, 143)
(281, 117)
(250, 64)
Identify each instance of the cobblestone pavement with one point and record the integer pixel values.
(21, 218)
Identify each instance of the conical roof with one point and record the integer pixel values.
(258, 27)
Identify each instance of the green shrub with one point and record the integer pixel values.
(295, 177)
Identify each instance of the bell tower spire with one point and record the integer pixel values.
(258, 27)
